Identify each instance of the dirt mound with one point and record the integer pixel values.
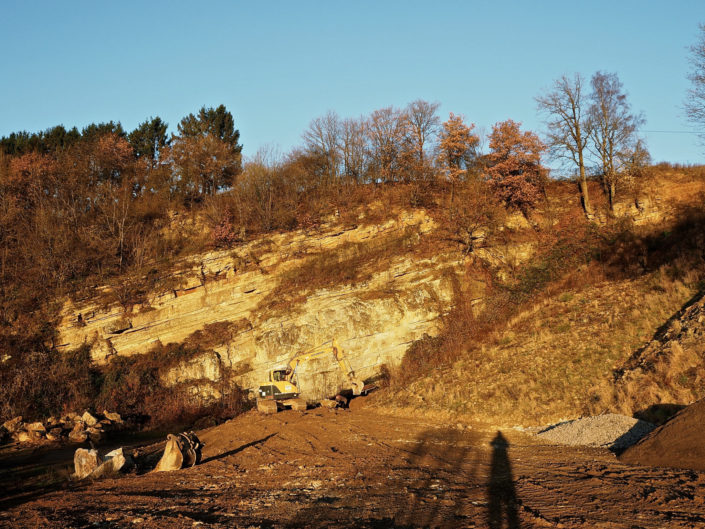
(678, 444)
(669, 369)
(612, 431)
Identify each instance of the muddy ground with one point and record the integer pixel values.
(358, 468)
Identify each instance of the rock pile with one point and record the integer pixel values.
(71, 427)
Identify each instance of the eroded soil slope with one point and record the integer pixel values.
(360, 469)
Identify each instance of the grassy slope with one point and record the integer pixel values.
(544, 367)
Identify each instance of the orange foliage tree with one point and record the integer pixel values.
(514, 167)
(28, 175)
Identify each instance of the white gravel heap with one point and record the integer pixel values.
(610, 430)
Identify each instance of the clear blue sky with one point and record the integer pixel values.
(277, 65)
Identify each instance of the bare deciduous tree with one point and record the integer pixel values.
(323, 138)
(354, 147)
(568, 127)
(695, 103)
(386, 129)
(423, 124)
(614, 129)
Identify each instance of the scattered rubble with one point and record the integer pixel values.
(71, 427)
(13, 424)
(610, 430)
(367, 470)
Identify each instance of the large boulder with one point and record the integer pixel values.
(113, 462)
(78, 434)
(88, 419)
(13, 425)
(35, 427)
(89, 465)
(85, 462)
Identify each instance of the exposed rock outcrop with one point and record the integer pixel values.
(670, 369)
(373, 319)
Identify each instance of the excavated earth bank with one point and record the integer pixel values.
(680, 443)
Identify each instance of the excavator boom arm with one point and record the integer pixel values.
(340, 358)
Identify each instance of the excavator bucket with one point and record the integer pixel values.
(181, 451)
(172, 459)
(357, 386)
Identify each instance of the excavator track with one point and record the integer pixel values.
(297, 404)
(267, 407)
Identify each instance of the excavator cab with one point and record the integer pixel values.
(278, 375)
(279, 389)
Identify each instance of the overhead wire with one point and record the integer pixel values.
(676, 131)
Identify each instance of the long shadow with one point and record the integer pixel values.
(630, 437)
(447, 480)
(502, 497)
(658, 414)
(29, 473)
(238, 449)
(434, 484)
(444, 467)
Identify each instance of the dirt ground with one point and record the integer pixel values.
(339, 468)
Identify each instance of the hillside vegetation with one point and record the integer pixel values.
(549, 298)
(577, 329)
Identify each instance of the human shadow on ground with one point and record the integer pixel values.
(446, 479)
(502, 497)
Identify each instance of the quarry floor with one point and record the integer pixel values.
(358, 468)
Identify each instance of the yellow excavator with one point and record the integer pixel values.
(282, 387)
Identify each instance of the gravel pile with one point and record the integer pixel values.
(612, 431)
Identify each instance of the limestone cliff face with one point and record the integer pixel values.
(243, 294)
(374, 320)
